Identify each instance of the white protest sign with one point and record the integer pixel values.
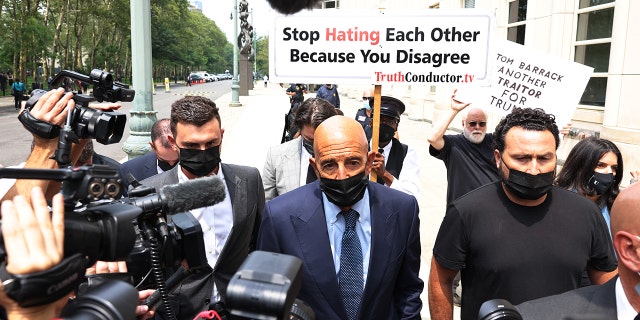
(524, 77)
(371, 46)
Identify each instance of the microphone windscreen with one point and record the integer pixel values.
(192, 194)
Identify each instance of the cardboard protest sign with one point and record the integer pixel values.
(524, 77)
(371, 46)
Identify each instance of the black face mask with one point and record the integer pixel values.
(308, 145)
(600, 182)
(386, 133)
(200, 162)
(165, 165)
(346, 192)
(528, 186)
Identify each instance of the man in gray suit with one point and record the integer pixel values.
(230, 228)
(287, 165)
(616, 299)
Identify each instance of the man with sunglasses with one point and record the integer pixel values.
(395, 163)
(467, 156)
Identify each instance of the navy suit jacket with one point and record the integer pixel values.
(593, 302)
(294, 223)
(142, 167)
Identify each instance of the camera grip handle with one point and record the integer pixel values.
(38, 127)
(40, 288)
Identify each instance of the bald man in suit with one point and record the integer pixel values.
(377, 227)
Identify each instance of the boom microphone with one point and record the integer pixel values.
(182, 197)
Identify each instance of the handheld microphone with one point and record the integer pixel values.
(182, 197)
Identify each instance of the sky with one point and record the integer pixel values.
(220, 12)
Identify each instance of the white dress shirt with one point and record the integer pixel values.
(409, 179)
(216, 222)
(624, 308)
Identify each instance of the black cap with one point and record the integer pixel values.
(390, 107)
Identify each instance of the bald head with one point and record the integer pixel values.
(475, 113)
(367, 93)
(340, 149)
(339, 130)
(625, 212)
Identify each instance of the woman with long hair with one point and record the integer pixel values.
(594, 169)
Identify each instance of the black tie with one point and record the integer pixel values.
(351, 275)
(311, 174)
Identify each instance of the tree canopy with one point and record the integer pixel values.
(44, 36)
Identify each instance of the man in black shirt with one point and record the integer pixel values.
(519, 238)
(467, 156)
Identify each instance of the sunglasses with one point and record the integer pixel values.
(474, 123)
(367, 98)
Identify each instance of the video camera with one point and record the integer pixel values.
(99, 227)
(83, 122)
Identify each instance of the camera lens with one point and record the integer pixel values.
(96, 189)
(498, 309)
(112, 189)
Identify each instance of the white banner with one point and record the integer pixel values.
(375, 47)
(524, 77)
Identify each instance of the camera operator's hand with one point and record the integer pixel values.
(53, 107)
(142, 311)
(33, 240)
(107, 267)
(105, 106)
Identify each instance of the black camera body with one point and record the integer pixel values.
(104, 126)
(100, 227)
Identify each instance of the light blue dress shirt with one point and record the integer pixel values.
(335, 227)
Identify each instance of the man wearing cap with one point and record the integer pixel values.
(395, 164)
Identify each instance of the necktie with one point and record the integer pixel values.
(311, 174)
(350, 275)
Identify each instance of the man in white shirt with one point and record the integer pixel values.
(230, 228)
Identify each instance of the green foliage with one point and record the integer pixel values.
(86, 34)
(262, 55)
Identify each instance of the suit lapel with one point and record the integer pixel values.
(383, 222)
(311, 231)
(151, 165)
(604, 299)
